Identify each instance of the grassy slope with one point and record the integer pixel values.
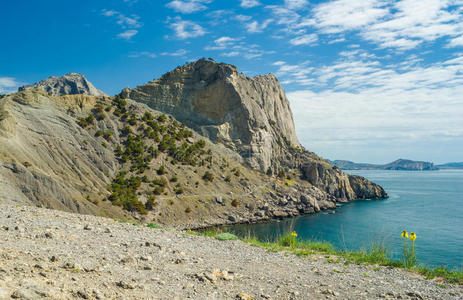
(377, 254)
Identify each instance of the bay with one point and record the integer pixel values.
(429, 203)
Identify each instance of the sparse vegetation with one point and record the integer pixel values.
(208, 176)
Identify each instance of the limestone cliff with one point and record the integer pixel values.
(69, 84)
(250, 115)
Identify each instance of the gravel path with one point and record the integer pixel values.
(57, 255)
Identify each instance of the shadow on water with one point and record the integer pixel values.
(428, 203)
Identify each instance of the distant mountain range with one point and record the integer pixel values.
(400, 164)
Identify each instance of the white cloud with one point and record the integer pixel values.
(109, 13)
(222, 43)
(128, 34)
(402, 25)
(124, 21)
(8, 84)
(128, 23)
(255, 27)
(243, 18)
(456, 42)
(189, 6)
(249, 3)
(306, 39)
(358, 101)
(230, 54)
(341, 15)
(185, 29)
(179, 52)
(143, 54)
(296, 4)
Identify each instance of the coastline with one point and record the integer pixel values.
(54, 254)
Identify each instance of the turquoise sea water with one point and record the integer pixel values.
(430, 203)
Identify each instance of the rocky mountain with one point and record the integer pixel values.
(249, 115)
(178, 165)
(69, 84)
(452, 165)
(400, 164)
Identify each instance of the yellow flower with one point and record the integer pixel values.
(412, 236)
(404, 234)
(294, 234)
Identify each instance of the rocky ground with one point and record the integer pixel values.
(57, 255)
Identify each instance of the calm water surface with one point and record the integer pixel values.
(430, 203)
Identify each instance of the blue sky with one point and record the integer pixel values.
(369, 81)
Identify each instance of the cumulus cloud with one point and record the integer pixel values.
(296, 4)
(189, 6)
(249, 3)
(222, 43)
(179, 52)
(306, 39)
(456, 42)
(128, 34)
(403, 25)
(125, 22)
(143, 54)
(357, 101)
(254, 26)
(185, 29)
(8, 85)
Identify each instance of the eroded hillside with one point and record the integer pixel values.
(116, 157)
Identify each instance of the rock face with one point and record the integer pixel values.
(249, 115)
(69, 84)
(84, 153)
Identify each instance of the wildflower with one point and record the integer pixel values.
(404, 234)
(294, 234)
(412, 236)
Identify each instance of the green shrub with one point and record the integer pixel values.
(108, 134)
(150, 203)
(226, 237)
(152, 225)
(161, 170)
(124, 192)
(162, 118)
(100, 116)
(99, 133)
(208, 176)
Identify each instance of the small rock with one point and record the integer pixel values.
(211, 277)
(127, 259)
(125, 285)
(329, 292)
(87, 227)
(146, 258)
(83, 294)
(243, 296)
(232, 218)
(414, 295)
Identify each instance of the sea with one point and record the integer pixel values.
(429, 203)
